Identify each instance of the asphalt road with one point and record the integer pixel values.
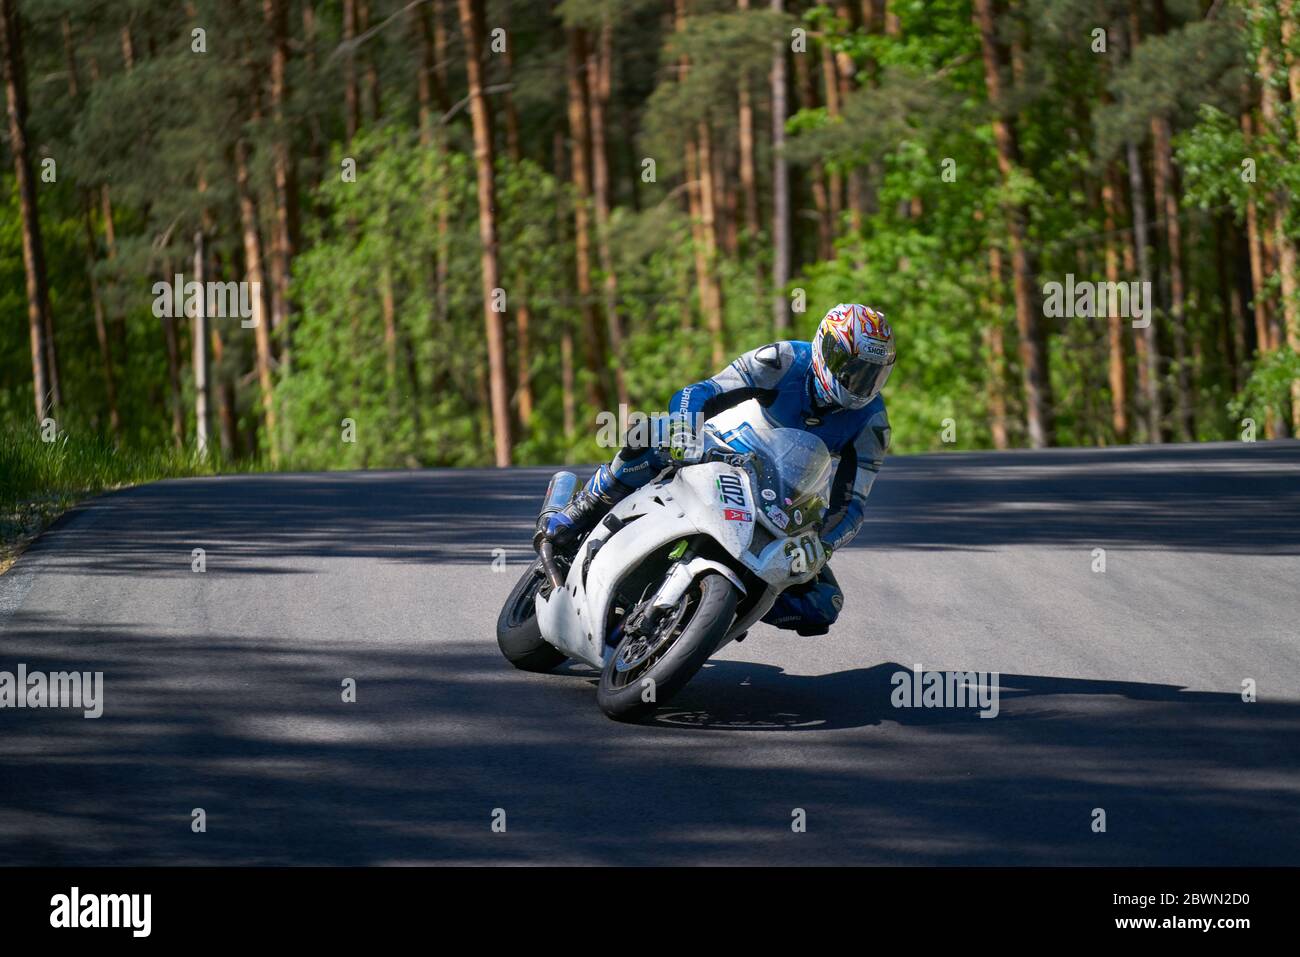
(1119, 690)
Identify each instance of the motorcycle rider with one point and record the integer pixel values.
(829, 387)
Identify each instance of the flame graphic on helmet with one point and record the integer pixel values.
(847, 322)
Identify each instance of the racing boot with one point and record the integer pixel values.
(592, 503)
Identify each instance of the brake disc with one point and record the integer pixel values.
(640, 648)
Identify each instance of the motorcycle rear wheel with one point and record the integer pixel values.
(518, 635)
(710, 609)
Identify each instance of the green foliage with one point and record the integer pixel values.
(724, 50)
(373, 236)
(1268, 390)
(931, 298)
(39, 480)
(1216, 162)
(374, 339)
(1200, 64)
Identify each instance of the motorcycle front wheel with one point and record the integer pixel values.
(518, 635)
(646, 670)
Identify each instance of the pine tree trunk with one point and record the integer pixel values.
(1118, 256)
(226, 403)
(599, 83)
(893, 28)
(816, 175)
(568, 385)
(745, 143)
(873, 18)
(285, 233)
(1287, 267)
(713, 304)
(1033, 346)
(175, 399)
(429, 95)
(202, 395)
(1147, 347)
(311, 78)
(1289, 15)
(1286, 323)
(996, 345)
(780, 190)
(524, 367)
(1148, 352)
(423, 36)
(1115, 324)
(253, 271)
(224, 388)
(1129, 261)
(388, 312)
(471, 24)
(835, 181)
(442, 253)
(351, 91)
(38, 300)
(845, 71)
(727, 238)
(1232, 327)
(1290, 18)
(699, 246)
(523, 311)
(1166, 199)
(440, 42)
(117, 321)
(101, 324)
(580, 165)
(88, 220)
(372, 96)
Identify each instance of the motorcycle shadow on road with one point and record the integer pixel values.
(744, 696)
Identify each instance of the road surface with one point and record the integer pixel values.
(1119, 690)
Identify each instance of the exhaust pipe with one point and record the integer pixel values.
(559, 493)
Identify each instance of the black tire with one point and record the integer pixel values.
(518, 635)
(619, 693)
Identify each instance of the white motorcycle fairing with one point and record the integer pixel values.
(693, 502)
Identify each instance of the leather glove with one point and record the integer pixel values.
(684, 446)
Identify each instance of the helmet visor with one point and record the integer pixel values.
(862, 376)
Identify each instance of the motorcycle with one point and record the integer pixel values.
(679, 568)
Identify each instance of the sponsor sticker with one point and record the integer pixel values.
(778, 517)
(737, 515)
(768, 495)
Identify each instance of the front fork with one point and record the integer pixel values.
(687, 567)
(671, 591)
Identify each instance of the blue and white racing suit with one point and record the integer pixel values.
(778, 379)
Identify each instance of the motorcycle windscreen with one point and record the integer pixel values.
(792, 471)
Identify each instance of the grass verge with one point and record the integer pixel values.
(40, 480)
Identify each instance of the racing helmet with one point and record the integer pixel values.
(853, 354)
